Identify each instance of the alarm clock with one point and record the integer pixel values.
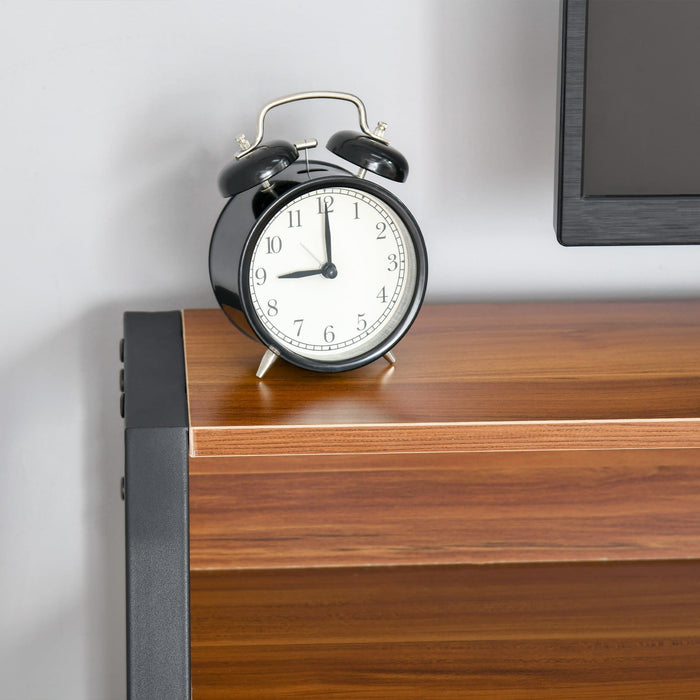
(325, 268)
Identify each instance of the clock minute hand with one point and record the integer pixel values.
(301, 273)
(327, 236)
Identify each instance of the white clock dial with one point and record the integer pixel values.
(333, 273)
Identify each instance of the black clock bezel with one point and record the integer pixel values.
(349, 182)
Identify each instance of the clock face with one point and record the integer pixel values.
(334, 273)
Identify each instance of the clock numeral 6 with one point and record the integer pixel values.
(361, 323)
(393, 263)
(272, 309)
(328, 334)
(274, 244)
(260, 276)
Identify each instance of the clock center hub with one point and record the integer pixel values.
(329, 271)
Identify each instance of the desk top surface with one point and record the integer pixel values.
(468, 376)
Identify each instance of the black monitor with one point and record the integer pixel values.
(628, 151)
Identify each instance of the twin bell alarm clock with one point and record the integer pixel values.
(325, 268)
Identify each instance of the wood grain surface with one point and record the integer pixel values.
(468, 377)
(510, 512)
(279, 512)
(574, 631)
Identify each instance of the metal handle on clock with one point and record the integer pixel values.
(322, 95)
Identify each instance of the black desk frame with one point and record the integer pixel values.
(156, 496)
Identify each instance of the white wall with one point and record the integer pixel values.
(116, 118)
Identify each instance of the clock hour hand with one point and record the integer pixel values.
(328, 270)
(301, 273)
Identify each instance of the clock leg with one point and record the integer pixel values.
(267, 361)
(389, 357)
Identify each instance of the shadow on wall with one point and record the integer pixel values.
(162, 214)
(44, 614)
(103, 509)
(63, 524)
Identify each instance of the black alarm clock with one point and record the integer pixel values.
(325, 268)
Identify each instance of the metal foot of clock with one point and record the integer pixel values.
(268, 359)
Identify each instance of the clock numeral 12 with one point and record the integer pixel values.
(324, 204)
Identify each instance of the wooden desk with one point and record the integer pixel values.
(512, 511)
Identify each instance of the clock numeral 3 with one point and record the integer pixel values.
(393, 264)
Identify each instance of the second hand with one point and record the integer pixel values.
(320, 263)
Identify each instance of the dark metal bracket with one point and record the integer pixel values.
(156, 499)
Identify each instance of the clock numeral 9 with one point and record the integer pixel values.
(272, 309)
(361, 323)
(325, 204)
(274, 244)
(260, 276)
(328, 334)
(393, 263)
(381, 227)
